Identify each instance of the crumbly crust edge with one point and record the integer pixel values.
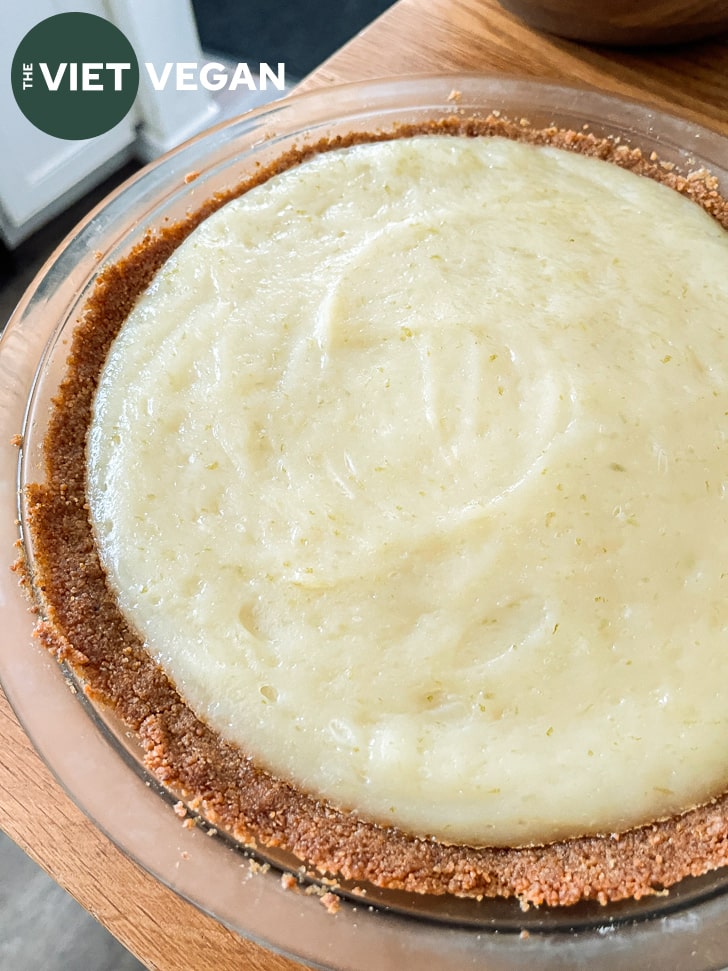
(79, 622)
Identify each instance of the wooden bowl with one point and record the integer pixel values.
(624, 22)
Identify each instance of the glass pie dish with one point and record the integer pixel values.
(94, 756)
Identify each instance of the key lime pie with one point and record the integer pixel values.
(386, 501)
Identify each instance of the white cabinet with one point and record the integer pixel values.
(39, 174)
(162, 32)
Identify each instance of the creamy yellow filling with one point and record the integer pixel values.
(410, 469)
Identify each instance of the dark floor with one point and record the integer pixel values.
(253, 31)
(300, 35)
(19, 266)
(71, 940)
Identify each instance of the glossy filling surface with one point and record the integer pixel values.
(409, 469)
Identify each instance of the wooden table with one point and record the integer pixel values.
(414, 36)
(417, 36)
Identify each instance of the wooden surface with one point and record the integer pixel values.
(157, 926)
(421, 36)
(414, 36)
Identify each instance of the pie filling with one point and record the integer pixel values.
(409, 469)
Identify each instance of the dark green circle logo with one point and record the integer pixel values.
(75, 75)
